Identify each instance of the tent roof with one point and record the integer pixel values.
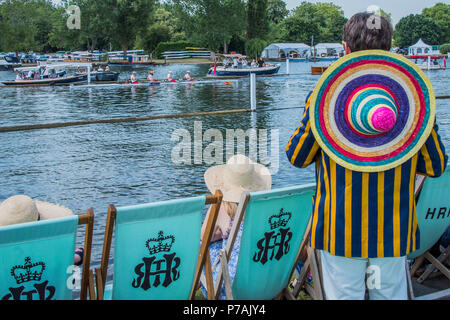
(287, 46)
(420, 44)
(329, 45)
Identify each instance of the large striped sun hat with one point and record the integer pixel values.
(372, 110)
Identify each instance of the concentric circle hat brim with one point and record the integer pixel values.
(372, 76)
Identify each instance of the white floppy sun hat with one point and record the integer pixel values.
(238, 175)
(23, 209)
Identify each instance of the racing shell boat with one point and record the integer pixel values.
(269, 69)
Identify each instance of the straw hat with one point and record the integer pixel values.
(372, 111)
(22, 209)
(238, 175)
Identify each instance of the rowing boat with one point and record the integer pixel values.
(244, 72)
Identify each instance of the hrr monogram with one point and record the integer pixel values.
(154, 271)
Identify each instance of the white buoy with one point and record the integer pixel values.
(253, 91)
(429, 62)
(287, 66)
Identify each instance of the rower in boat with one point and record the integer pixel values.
(170, 77)
(188, 76)
(150, 76)
(18, 76)
(254, 64)
(133, 79)
(107, 69)
(100, 69)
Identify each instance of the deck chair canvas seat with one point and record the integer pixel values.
(433, 215)
(158, 254)
(37, 259)
(273, 228)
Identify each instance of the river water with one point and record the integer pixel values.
(92, 166)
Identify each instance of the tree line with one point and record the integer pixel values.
(219, 25)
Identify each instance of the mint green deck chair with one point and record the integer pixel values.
(433, 215)
(273, 229)
(36, 259)
(157, 249)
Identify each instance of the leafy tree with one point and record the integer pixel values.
(254, 47)
(440, 14)
(445, 48)
(18, 26)
(323, 21)
(258, 24)
(276, 11)
(130, 18)
(60, 36)
(164, 27)
(211, 23)
(415, 26)
(154, 34)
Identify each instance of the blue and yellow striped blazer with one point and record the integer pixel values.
(364, 215)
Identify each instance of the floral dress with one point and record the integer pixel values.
(214, 252)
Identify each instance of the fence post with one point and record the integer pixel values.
(253, 91)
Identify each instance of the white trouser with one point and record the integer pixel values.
(345, 278)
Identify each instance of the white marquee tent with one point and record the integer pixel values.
(421, 48)
(282, 50)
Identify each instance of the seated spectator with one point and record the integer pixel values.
(22, 209)
(238, 175)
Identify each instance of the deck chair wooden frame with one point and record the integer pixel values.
(313, 265)
(86, 219)
(97, 288)
(224, 256)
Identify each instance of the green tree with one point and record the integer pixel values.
(323, 21)
(415, 26)
(163, 26)
(258, 23)
(276, 11)
(445, 48)
(212, 23)
(440, 14)
(130, 18)
(17, 26)
(96, 29)
(60, 36)
(254, 47)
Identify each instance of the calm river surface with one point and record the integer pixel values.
(130, 163)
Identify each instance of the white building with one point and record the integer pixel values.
(283, 50)
(421, 48)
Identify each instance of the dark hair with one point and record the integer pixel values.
(367, 31)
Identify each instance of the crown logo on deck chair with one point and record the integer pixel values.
(160, 244)
(28, 272)
(279, 220)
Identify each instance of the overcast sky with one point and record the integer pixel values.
(398, 8)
